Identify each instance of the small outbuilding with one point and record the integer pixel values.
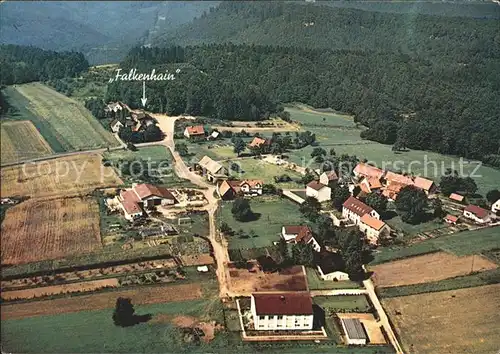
(354, 331)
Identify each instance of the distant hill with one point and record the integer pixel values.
(103, 30)
(318, 26)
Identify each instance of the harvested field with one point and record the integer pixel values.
(37, 230)
(140, 296)
(428, 268)
(456, 321)
(243, 282)
(60, 289)
(373, 329)
(81, 173)
(21, 141)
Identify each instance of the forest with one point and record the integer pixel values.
(21, 64)
(450, 109)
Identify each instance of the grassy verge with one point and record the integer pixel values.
(461, 244)
(343, 303)
(466, 281)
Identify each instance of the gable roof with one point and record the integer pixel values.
(478, 211)
(195, 130)
(210, 165)
(392, 190)
(114, 122)
(316, 185)
(252, 182)
(451, 218)
(296, 303)
(145, 190)
(258, 141)
(357, 206)
(367, 170)
(396, 177)
(331, 175)
(423, 183)
(228, 185)
(372, 222)
(303, 232)
(130, 202)
(457, 197)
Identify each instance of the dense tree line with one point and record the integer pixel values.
(21, 64)
(449, 108)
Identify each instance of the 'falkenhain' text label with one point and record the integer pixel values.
(133, 75)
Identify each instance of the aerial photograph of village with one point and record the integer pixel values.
(250, 176)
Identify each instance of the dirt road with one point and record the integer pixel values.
(167, 125)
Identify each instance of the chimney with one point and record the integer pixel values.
(282, 298)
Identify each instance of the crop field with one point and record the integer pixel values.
(461, 244)
(64, 123)
(272, 214)
(58, 177)
(456, 321)
(37, 230)
(60, 289)
(21, 141)
(340, 132)
(250, 168)
(106, 300)
(428, 268)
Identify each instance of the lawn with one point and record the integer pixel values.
(316, 283)
(461, 244)
(343, 303)
(65, 124)
(273, 213)
(155, 155)
(397, 224)
(258, 169)
(341, 133)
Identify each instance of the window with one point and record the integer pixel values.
(280, 317)
(262, 318)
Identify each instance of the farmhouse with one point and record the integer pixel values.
(213, 170)
(354, 331)
(132, 201)
(318, 191)
(116, 125)
(282, 311)
(391, 191)
(495, 207)
(456, 197)
(327, 178)
(258, 142)
(194, 132)
(392, 177)
(299, 233)
(331, 266)
(451, 219)
(373, 228)
(353, 209)
(370, 184)
(228, 189)
(477, 214)
(428, 186)
(365, 170)
(113, 107)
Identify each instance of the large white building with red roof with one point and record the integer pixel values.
(477, 214)
(353, 209)
(299, 234)
(143, 196)
(282, 311)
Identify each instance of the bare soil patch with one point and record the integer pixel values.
(456, 321)
(428, 268)
(37, 230)
(197, 259)
(60, 289)
(63, 176)
(140, 296)
(244, 282)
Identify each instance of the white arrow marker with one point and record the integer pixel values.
(144, 99)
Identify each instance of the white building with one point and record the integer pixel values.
(318, 191)
(328, 177)
(373, 228)
(353, 209)
(477, 214)
(282, 311)
(116, 125)
(252, 187)
(496, 207)
(299, 233)
(354, 331)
